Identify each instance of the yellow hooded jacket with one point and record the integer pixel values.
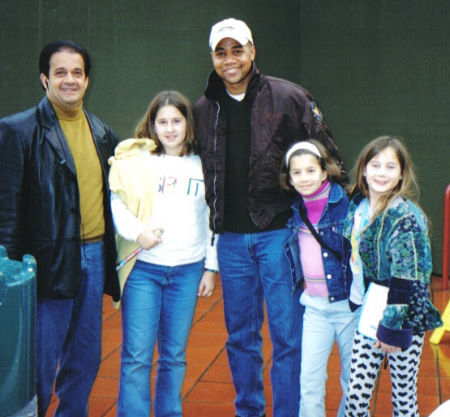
(132, 178)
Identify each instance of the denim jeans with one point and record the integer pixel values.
(323, 323)
(68, 337)
(253, 268)
(158, 303)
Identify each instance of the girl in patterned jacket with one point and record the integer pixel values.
(390, 247)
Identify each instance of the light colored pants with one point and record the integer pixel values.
(323, 324)
(366, 364)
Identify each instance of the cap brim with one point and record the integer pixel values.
(242, 40)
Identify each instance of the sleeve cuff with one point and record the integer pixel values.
(353, 306)
(395, 337)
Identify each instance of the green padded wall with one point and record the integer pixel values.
(375, 66)
(383, 67)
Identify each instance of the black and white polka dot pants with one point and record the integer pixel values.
(365, 366)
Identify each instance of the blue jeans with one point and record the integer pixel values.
(158, 303)
(254, 268)
(323, 323)
(68, 337)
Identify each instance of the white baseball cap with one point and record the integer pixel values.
(230, 28)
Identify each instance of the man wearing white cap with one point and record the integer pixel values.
(245, 121)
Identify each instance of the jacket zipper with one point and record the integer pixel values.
(215, 171)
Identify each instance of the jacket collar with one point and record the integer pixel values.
(336, 195)
(215, 86)
(357, 197)
(354, 202)
(46, 115)
(54, 134)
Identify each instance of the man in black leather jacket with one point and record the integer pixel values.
(54, 204)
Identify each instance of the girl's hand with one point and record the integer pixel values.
(149, 238)
(207, 284)
(386, 348)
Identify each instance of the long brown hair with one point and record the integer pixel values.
(407, 186)
(146, 127)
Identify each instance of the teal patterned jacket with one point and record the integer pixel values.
(395, 252)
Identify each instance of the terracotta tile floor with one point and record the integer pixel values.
(208, 391)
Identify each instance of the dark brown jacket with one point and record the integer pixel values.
(281, 113)
(39, 199)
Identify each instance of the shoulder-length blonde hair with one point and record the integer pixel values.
(407, 186)
(146, 127)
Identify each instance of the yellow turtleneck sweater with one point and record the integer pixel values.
(89, 172)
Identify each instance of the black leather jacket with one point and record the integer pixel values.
(282, 113)
(39, 199)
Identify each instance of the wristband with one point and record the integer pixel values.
(211, 270)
